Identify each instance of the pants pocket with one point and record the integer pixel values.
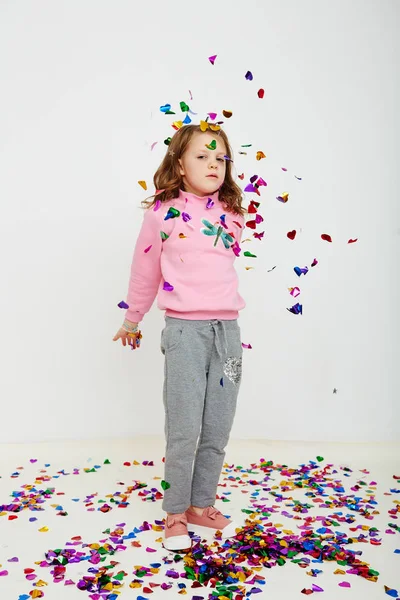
(171, 337)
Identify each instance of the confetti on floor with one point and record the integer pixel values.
(317, 516)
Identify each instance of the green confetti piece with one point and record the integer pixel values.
(320, 458)
(119, 576)
(212, 145)
(249, 254)
(164, 236)
(184, 106)
(107, 462)
(165, 485)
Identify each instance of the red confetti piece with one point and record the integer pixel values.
(326, 237)
(260, 93)
(291, 234)
(352, 241)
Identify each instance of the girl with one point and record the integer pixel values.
(185, 253)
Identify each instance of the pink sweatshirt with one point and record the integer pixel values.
(203, 276)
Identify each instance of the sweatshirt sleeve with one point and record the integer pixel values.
(145, 269)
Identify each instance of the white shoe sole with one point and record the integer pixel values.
(228, 531)
(177, 543)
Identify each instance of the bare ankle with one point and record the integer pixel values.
(197, 509)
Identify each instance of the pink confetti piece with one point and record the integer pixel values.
(148, 549)
(3, 573)
(344, 584)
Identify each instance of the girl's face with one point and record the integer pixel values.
(203, 170)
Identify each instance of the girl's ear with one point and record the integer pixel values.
(181, 171)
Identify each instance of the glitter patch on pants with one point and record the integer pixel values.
(233, 369)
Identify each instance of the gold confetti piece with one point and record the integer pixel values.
(135, 584)
(227, 113)
(204, 125)
(44, 529)
(143, 184)
(41, 583)
(260, 155)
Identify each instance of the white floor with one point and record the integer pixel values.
(20, 538)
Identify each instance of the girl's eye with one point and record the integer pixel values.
(220, 159)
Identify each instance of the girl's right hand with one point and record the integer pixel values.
(125, 337)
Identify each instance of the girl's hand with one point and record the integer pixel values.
(133, 339)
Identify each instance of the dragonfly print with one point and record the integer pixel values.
(219, 232)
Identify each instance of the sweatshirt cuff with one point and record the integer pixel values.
(134, 316)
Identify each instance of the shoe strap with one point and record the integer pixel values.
(212, 512)
(175, 519)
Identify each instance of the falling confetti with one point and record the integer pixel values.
(283, 198)
(300, 271)
(294, 291)
(167, 287)
(296, 309)
(326, 237)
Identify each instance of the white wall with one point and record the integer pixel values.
(81, 86)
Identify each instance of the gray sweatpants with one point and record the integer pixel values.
(202, 375)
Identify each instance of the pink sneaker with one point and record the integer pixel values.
(213, 519)
(176, 537)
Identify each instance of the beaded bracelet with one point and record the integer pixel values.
(128, 327)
